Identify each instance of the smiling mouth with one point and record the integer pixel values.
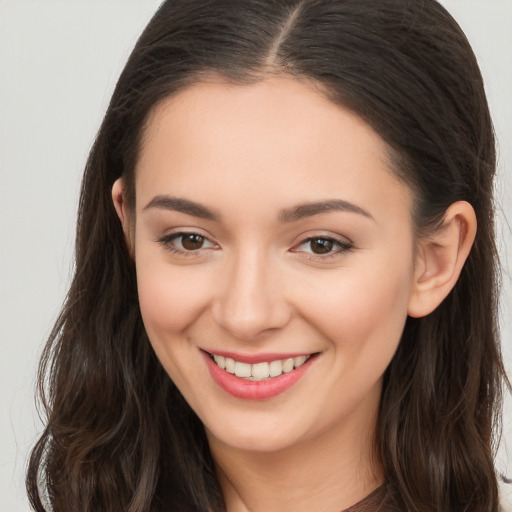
(256, 372)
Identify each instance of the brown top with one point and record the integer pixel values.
(374, 502)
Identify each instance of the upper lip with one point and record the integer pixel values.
(256, 358)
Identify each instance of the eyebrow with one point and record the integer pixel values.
(309, 209)
(178, 204)
(181, 205)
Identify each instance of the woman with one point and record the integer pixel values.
(285, 288)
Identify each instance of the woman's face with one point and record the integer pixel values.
(271, 233)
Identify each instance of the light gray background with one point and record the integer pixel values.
(59, 60)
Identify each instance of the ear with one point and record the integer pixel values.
(440, 258)
(119, 200)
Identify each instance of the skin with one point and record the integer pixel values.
(255, 285)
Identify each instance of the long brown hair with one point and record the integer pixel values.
(119, 436)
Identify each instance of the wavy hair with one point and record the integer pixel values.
(119, 435)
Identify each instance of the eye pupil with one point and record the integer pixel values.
(321, 246)
(192, 242)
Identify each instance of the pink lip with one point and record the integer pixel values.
(257, 358)
(251, 390)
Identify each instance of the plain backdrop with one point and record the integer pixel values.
(59, 61)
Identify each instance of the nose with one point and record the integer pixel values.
(251, 300)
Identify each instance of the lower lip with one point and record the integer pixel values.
(255, 390)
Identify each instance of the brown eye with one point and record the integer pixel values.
(321, 245)
(192, 242)
(186, 243)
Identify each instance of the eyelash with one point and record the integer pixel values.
(167, 242)
(342, 247)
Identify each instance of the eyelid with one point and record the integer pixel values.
(327, 235)
(167, 239)
(343, 244)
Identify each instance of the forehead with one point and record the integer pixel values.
(288, 110)
(279, 138)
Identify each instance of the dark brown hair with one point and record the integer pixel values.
(119, 436)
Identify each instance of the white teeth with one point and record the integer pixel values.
(230, 365)
(288, 365)
(276, 368)
(259, 371)
(299, 361)
(220, 361)
(242, 369)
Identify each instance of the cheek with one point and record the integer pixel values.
(365, 312)
(170, 297)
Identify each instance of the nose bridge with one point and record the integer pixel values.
(251, 301)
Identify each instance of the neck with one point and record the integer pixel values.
(329, 473)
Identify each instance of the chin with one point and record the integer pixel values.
(255, 436)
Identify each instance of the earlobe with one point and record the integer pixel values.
(440, 258)
(119, 200)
